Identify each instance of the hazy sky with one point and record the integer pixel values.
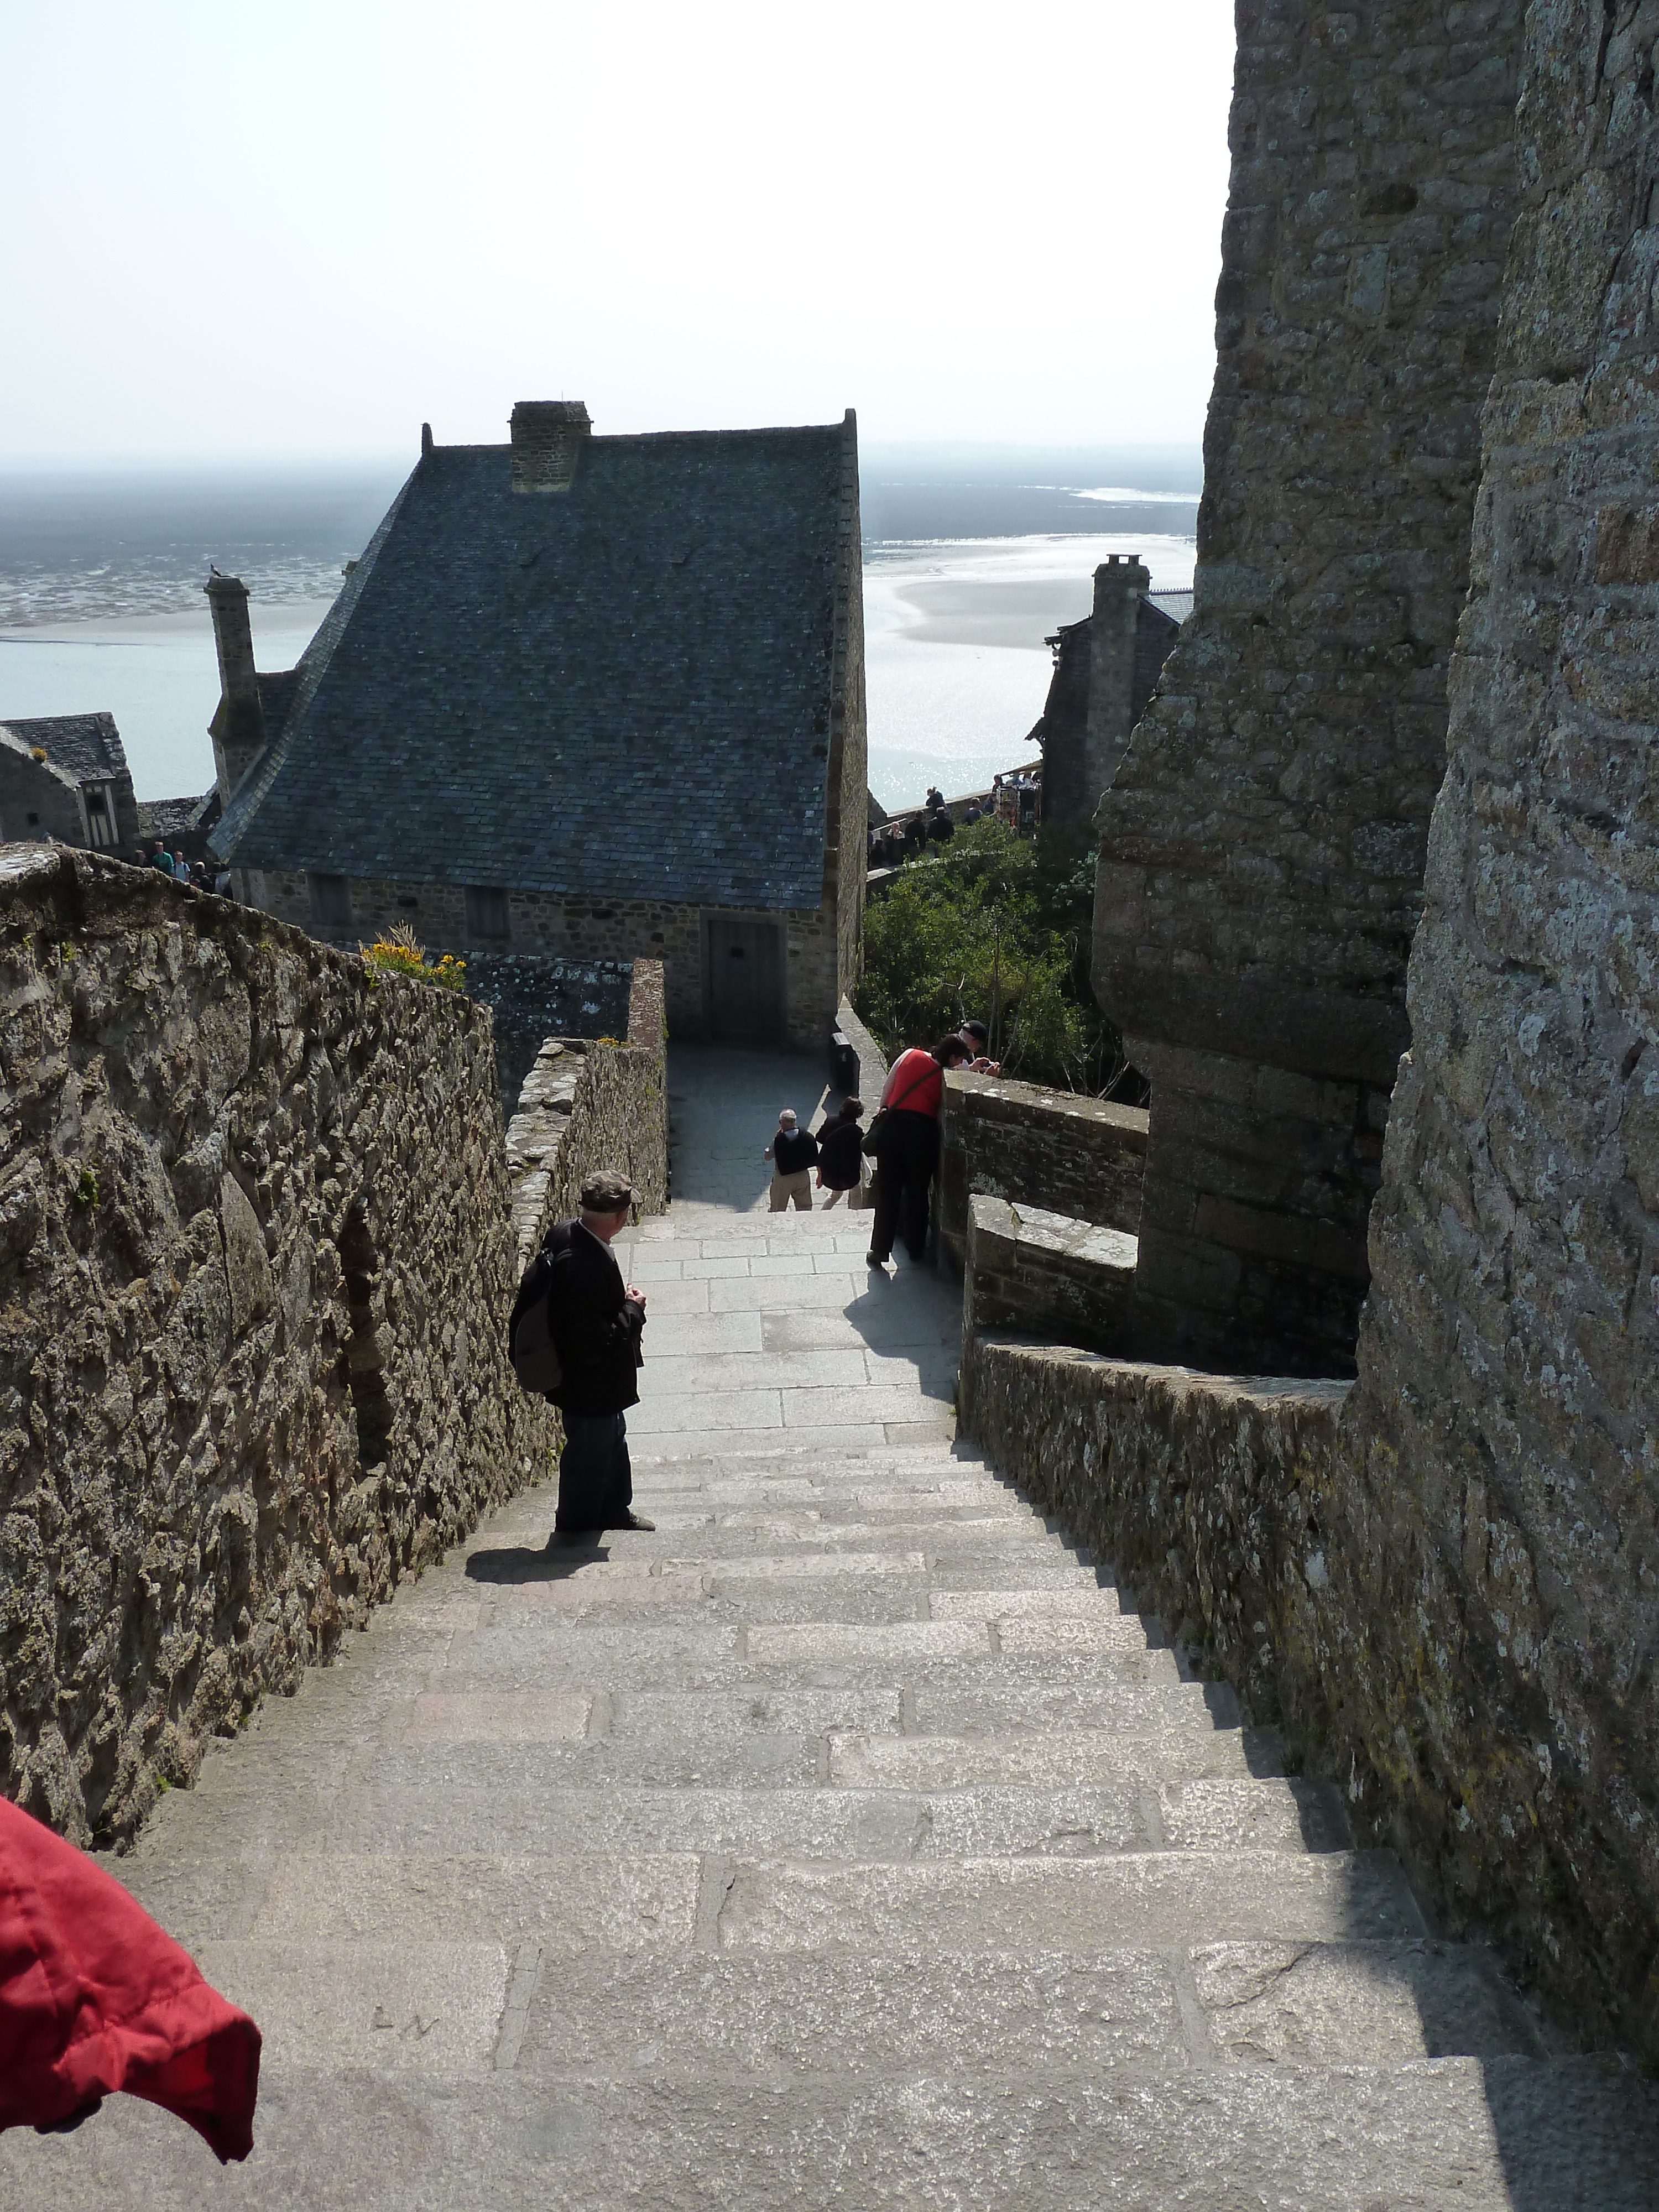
(284, 229)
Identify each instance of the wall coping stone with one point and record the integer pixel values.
(1002, 1098)
(999, 1220)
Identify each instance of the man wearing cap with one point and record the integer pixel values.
(596, 1320)
(793, 1153)
(977, 1039)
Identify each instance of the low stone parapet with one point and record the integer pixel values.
(1072, 1154)
(1044, 1273)
(590, 1104)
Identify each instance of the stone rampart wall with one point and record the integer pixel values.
(587, 1105)
(1262, 845)
(1508, 1356)
(255, 1263)
(1057, 1149)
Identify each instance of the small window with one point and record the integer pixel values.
(330, 901)
(486, 916)
(100, 817)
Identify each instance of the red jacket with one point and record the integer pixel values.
(95, 1997)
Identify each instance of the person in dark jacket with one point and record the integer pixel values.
(912, 1100)
(841, 1152)
(793, 1153)
(596, 1320)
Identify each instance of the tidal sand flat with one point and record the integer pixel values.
(957, 657)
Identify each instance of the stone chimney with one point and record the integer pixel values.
(238, 729)
(1120, 586)
(546, 440)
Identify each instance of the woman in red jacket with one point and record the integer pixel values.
(908, 1146)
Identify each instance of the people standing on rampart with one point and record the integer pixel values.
(841, 1152)
(794, 1152)
(906, 1134)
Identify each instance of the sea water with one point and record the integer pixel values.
(102, 607)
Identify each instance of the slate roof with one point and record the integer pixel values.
(175, 817)
(84, 748)
(622, 691)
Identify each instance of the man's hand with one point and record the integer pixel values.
(638, 1297)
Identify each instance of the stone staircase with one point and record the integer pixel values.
(845, 1844)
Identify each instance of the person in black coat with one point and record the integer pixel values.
(596, 1320)
(841, 1152)
(793, 1153)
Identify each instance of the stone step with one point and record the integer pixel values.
(582, 1901)
(536, 1647)
(500, 1799)
(667, 2017)
(1487, 2135)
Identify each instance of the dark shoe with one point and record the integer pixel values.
(874, 1259)
(633, 1520)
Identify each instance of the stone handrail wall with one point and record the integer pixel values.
(1223, 1504)
(587, 1105)
(1046, 1274)
(255, 1261)
(1060, 1150)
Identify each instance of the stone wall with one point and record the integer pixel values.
(587, 1105)
(531, 999)
(1056, 1149)
(576, 932)
(1048, 1275)
(1262, 844)
(1508, 1358)
(255, 1263)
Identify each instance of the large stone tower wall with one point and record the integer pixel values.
(1262, 843)
(1508, 1358)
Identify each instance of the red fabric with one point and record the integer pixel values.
(95, 1997)
(904, 1094)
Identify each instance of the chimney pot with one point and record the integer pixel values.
(426, 439)
(546, 440)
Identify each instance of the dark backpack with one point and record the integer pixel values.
(532, 1347)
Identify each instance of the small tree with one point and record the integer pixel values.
(990, 932)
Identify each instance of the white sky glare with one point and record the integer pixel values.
(289, 229)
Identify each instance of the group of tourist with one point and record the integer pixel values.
(903, 1140)
(577, 1324)
(905, 838)
(194, 873)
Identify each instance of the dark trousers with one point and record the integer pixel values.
(596, 1482)
(910, 1153)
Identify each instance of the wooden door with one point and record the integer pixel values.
(745, 980)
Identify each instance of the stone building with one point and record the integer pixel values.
(1106, 668)
(583, 698)
(64, 780)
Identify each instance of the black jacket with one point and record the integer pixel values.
(793, 1150)
(596, 1328)
(841, 1155)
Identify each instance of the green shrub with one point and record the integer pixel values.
(989, 930)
